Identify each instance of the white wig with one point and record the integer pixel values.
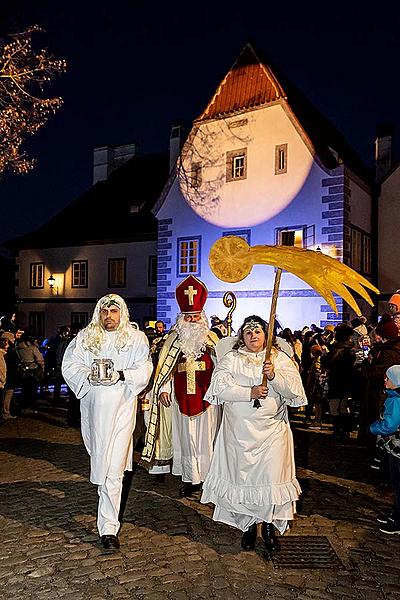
(94, 334)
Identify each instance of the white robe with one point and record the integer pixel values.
(252, 475)
(192, 440)
(108, 413)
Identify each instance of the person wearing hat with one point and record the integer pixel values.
(108, 401)
(181, 424)
(252, 478)
(394, 307)
(388, 427)
(10, 383)
(339, 364)
(386, 354)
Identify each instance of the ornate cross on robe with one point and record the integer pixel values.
(191, 366)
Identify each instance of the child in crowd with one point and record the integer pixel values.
(388, 427)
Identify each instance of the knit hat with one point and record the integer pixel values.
(395, 299)
(387, 328)
(393, 373)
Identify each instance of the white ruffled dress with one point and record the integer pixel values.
(252, 475)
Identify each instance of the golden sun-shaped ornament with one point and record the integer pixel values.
(231, 259)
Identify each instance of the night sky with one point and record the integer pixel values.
(136, 67)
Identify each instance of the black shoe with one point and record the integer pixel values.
(188, 489)
(249, 537)
(268, 535)
(110, 542)
(391, 527)
(160, 478)
(386, 518)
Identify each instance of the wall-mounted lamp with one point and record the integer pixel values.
(53, 288)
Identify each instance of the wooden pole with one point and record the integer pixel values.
(271, 326)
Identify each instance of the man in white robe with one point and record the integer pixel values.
(181, 425)
(108, 406)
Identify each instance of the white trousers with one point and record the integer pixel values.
(109, 505)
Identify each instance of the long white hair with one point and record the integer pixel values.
(93, 336)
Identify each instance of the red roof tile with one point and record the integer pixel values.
(248, 84)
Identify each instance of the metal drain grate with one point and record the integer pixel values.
(306, 552)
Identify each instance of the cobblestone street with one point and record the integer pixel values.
(170, 547)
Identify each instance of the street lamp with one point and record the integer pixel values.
(51, 281)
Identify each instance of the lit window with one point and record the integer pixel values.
(188, 256)
(291, 237)
(281, 159)
(79, 274)
(117, 272)
(196, 175)
(236, 164)
(300, 236)
(37, 275)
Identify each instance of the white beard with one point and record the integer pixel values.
(192, 336)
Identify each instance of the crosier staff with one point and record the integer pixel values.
(231, 260)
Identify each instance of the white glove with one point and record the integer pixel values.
(113, 380)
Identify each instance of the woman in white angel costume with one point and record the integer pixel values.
(252, 477)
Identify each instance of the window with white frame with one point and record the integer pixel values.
(236, 164)
(79, 274)
(300, 236)
(116, 272)
(281, 153)
(79, 320)
(188, 259)
(37, 275)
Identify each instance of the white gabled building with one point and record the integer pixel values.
(105, 241)
(263, 163)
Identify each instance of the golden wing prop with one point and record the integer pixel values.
(231, 259)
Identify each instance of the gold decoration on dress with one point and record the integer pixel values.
(231, 259)
(190, 367)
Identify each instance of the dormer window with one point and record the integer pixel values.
(236, 165)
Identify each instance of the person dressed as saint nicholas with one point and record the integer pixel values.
(108, 407)
(181, 424)
(252, 476)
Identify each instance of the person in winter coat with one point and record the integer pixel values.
(339, 363)
(389, 428)
(388, 354)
